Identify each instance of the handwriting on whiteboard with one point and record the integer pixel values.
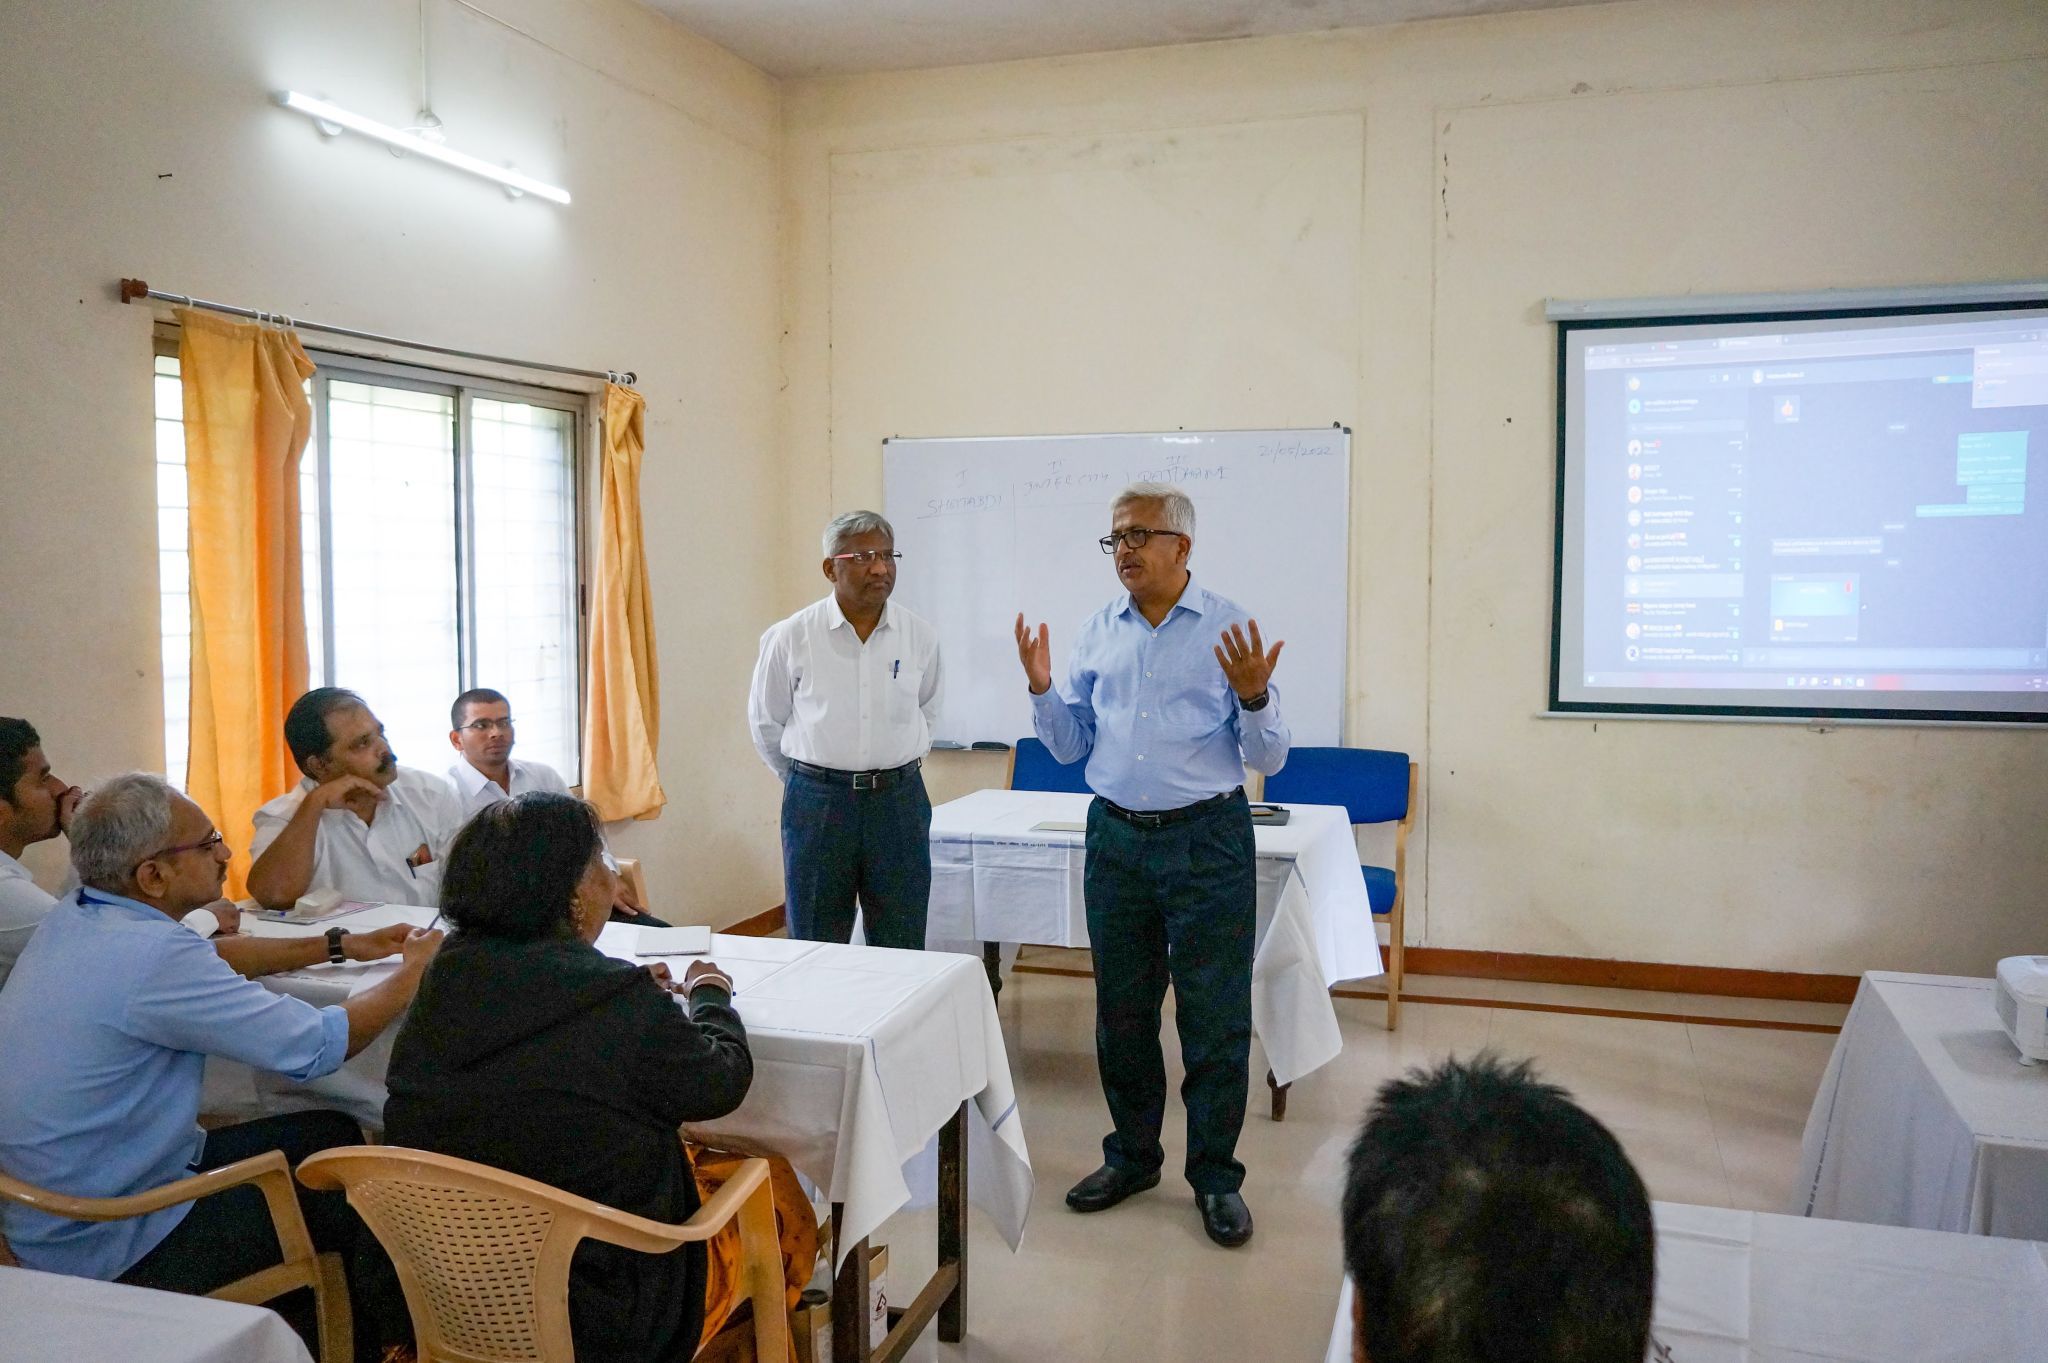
(1281, 451)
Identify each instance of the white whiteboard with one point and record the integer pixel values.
(993, 525)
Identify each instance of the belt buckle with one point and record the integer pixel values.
(865, 780)
(1146, 818)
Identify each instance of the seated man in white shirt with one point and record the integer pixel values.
(359, 823)
(481, 730)
(35, 806)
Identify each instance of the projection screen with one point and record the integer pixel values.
(1804, 514)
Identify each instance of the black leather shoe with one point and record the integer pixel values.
(1108, 1186)
(1226, 1218)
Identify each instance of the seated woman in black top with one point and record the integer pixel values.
(529, 1050)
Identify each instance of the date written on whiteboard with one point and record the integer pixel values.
(1282, 451)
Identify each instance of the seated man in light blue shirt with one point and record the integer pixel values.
(105, 1026)
(1168, 697)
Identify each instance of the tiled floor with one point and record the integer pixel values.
(1710, 1114)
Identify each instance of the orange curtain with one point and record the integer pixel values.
(246, 423)
(622, 702)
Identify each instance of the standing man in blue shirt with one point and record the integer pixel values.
(1169, 698)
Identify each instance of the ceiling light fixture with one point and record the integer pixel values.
(332, 118)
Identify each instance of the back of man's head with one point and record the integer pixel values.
(305, 724)
(1487, 1218)
(17, 736)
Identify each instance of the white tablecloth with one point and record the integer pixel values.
(1926, 1117)
(860, 1055)
(995, 878)
(1750, 1287)
(49, 1318)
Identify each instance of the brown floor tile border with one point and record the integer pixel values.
(1521, 1006)
(1786, 985)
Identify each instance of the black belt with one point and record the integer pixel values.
(1161, 818)
(860, 780)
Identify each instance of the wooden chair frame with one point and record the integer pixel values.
(362, 1170)
(271, 1176)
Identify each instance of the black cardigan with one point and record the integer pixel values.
(554, 1061)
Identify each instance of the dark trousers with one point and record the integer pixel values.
(1179, 903)
(839, 843)
(229, 1235)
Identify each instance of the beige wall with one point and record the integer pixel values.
(136, 138)
(1363, 226)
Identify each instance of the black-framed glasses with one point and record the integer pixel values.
(1138, 537)
(207, 843)
(489, 726)
(867, 556)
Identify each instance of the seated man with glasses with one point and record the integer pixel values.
(842, 706)
(482, 731)
(359, 823)
(1488, 1216)
(105, 1026)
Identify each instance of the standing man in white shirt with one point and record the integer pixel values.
(481, 730)
(842, 706)
(35, 806)
(359, 823)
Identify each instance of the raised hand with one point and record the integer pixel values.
(1246, 663)
(359, 795)
(1035, 652)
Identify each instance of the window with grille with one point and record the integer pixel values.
(440, 519)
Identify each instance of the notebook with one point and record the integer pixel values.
(690, 941)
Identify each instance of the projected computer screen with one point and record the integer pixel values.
(1823, 515)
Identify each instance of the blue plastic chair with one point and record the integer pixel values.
(1032, 767)
(1374, 787)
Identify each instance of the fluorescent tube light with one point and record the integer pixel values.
(325, 113)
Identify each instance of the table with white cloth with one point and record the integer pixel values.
(1926, 1117)
(999, 877)
(1753, 1287)
(54, 1318)
(865, 1059)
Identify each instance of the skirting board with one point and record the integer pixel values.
(1668, 979)
(1509, 965)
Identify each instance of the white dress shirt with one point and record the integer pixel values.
(479, 792)
(822, 696)
(23, 907)
(371, 861)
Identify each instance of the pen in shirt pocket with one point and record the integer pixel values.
(895, 669)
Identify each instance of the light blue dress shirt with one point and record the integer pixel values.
(105, 1026)
(1151, 709)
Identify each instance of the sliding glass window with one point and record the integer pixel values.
(441, 553)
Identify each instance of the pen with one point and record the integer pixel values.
(895, 668)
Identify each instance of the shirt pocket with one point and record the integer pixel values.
(905, 686)
(1196, 706)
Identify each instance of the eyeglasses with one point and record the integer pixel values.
(867, 556)
(207, 843)
(489, 726)
(1137, 537)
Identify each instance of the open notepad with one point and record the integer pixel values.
(690, 941)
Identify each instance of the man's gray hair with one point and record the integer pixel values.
(1179, 511)
(849, 524)
(118, 826)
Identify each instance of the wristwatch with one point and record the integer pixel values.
(1258, 702)
(334, 952)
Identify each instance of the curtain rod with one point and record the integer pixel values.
(132, 289)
